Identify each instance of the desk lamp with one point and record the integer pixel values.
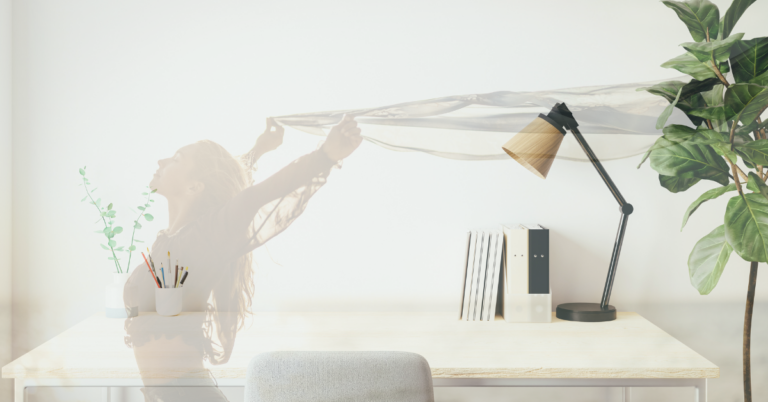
(535, 148)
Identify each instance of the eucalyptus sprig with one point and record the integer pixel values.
(727, 142)
(107, 216)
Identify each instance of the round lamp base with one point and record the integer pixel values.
(585, 312)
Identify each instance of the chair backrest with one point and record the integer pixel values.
(338, 376)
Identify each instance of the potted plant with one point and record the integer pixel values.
(725, 143)
(117, 293)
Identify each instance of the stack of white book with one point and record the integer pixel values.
(484, 262)
(515, 257)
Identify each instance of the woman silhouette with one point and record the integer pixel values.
(216, 218)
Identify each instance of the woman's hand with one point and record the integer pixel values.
(271, 138)
(343, 139)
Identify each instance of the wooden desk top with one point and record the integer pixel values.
(630, 347)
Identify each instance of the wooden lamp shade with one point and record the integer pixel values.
(535, 146)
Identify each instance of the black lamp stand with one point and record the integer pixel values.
(594, 312)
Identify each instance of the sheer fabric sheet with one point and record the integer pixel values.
(618, 121)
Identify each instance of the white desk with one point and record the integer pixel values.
(628, 352)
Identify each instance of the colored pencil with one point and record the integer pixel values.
(165, 284)
(183, 278)
(151, 262)
(150, 270)
(178, 281)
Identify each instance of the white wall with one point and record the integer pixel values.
(6, 386)
(117, 85)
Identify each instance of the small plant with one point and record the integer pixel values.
(107, 217)
(726, 144)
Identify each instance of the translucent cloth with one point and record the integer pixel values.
(617, 120)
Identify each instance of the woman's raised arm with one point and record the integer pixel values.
(274, 203)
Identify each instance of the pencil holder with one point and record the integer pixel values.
(121, 300)
(168, 301)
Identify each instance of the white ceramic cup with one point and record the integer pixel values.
(168, 301)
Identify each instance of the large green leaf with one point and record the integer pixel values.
(761, 79)
(732, 16)
(719, 142)
(747, 100)
(699, 16)
(708, 195)
(714, 98)
(707, 260)
(746, 226)
(648, 152)
(677, 184)
(673, 132)
(755, 152)
(749, 59)
(719, 113)
(686, 63)
(757, 185)
(718, 50)
(678, 133)
(688, 160)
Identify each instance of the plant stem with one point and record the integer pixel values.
(719, 74)
(735, 168)
(747, 368)
(733, 165)
(717, 70)
(117, 263)
(758, 136)
(736, 178)
(133, 234)
(709, 124)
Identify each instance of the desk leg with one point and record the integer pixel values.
(18, 390)
(701, 390)
(625, 394)
(106, 394)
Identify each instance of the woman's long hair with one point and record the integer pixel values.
(224, 177)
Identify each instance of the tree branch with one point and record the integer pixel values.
(735, 168)
(736, 178)
(747, 336)
(719, 74)
(759, 136)
(717, 70)
(733, 165)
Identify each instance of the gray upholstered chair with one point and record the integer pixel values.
(338, 376)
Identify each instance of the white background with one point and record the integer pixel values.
(118, 85)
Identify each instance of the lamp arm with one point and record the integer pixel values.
(625, 208)
(599, 167)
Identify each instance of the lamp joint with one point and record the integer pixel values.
(626, 209)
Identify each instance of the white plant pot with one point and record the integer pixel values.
(121, 301)
(168, 301)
